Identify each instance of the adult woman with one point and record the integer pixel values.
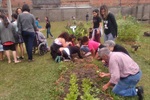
(59, 44)
(20, 42)
(7, 33)
(96, 26)
(110, 25)
(26, 27)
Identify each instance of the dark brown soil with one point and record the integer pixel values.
(83, 69)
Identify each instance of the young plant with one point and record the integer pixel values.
(73, 90)
(86, 85)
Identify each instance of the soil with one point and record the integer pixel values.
(82, 69)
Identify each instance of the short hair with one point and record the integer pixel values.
(84, 39)
(14, 16)
(25, 7)
(109, 43)
(103, 51)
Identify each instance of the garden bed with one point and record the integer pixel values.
(83, 69)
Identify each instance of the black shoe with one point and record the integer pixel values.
(140, 92)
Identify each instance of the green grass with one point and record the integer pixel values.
(36, 80)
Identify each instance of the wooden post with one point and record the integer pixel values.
(9, 9)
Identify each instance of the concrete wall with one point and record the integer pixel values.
(142, 12)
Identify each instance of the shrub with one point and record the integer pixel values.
(128, 29)
(80, 30)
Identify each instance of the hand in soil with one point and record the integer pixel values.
(105, 87)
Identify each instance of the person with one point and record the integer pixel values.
(59, 44)
(19, 39)
(37, 23)
(72, 39)
(26, 27)
(92, 45)
(96, 26)
(42, 38)
(124, 73)
(18, 11)
(112, 46)
(1, 51)
(109, 22)
(84, 48)
(87, 17)
(7, 33)
(48, 27)
(68, 51)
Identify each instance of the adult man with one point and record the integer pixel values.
(124, 73)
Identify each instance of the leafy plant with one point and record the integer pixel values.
(80, 30)
(86, 84)
(74, 92)
(128, 29)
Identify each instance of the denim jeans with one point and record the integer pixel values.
(126, 86)
(85, 48)
(108, 37)
(28, 38)
(49, 32)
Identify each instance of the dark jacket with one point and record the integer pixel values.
(110, 25)
(48, 25)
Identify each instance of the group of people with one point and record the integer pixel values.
(21, 30)
(124, 72)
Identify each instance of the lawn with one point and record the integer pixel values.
(36, 80)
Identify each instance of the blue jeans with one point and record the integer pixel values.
(49, 32)
(85, 48)
(28, 38)
(108, 37)
(126, 86)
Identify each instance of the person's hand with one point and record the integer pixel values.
(102, 74)
(105, 87)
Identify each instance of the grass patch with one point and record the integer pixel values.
(36, 80)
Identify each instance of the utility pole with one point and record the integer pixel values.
(9, 9)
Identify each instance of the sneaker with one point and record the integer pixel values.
(21, 57)
(140, 92)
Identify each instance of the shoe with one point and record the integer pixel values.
(30, 60)
(140, 92)
(21, 57)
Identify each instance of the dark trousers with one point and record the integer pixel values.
(49, 32)
(28, 38)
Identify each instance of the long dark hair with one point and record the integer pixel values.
(5, 20)
(64, 35)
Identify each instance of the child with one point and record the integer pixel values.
(72, 39)
(1, 51)
(83, 48)
(37, 23)
(48, 26)
(92, 45)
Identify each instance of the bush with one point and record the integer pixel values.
(128, 29)
(80, 30)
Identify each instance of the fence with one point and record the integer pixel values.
(141, 12)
